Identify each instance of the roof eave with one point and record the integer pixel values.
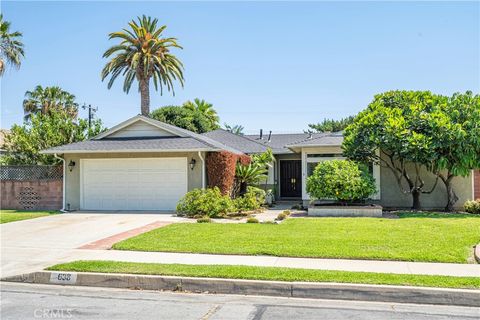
(128, 151)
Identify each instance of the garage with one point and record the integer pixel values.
(132, 183)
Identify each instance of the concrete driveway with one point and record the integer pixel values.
(30, 245)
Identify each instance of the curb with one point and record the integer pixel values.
(334, 291)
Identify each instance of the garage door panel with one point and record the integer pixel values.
(133, 184)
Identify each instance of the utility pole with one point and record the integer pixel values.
(91, 111)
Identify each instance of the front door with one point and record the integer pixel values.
(290, 178)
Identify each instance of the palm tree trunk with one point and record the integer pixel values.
(145, 96)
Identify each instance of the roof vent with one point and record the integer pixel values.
(261, 134)
(270, 136)
(310, 135)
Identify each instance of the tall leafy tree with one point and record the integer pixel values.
(205, 108)
(331, 125)
(143, 54)
(24, 142)
(456, 140)
(235, 129)
(11, 46)
(46, 100)
(192, 120)
(395, 131)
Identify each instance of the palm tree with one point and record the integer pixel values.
(235, 129)
(204, 108)
(11, 46)
(44, 100)
(143, 54)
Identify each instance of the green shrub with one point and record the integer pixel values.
(341, 180)
(260, 194)
(281, 216)
(205, 202)
(252, 220)
(472, 206)
(204, 220)
(251, 200)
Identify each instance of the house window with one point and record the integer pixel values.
(325, 155)
(313, 159)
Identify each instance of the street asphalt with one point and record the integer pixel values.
(29, 301)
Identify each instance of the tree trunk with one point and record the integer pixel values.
(416, 199)
(451, 195)
(243, 188)
(145, 96)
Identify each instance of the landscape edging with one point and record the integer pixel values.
(311, 290)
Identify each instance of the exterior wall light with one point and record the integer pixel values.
(71, 165)
(193, 163)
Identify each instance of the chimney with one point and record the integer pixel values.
(261, 134)
(270, 136)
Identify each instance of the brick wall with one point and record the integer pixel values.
(476, 185)
(31, 195)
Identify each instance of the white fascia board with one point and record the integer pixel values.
(127, 150)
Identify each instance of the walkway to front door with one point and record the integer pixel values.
(290, 178)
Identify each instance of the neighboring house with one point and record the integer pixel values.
(145, 164)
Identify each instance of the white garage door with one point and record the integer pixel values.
(132, 184)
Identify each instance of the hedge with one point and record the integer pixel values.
(221, 169)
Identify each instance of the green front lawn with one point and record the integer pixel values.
(412, 237)
(268, 273)
(17, 215)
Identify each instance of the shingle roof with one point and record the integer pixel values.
(278, 142)
(133, 144)
(325, 139)
(185, 141)
(238, 142)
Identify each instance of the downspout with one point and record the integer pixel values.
(63, 182)
(203, 168)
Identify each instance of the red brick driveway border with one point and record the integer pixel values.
(107, 243)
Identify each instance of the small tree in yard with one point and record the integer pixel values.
(457, 141)
(341, 180)
(395, 131)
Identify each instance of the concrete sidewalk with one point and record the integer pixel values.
(446, 269)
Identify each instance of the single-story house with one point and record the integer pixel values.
(145, 164)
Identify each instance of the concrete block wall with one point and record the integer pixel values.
(31, 195)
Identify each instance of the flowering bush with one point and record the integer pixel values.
(472, 206)
(342, 180)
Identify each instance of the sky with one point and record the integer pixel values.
(272, 65)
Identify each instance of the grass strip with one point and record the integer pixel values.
(267, 273)
(18, 215)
